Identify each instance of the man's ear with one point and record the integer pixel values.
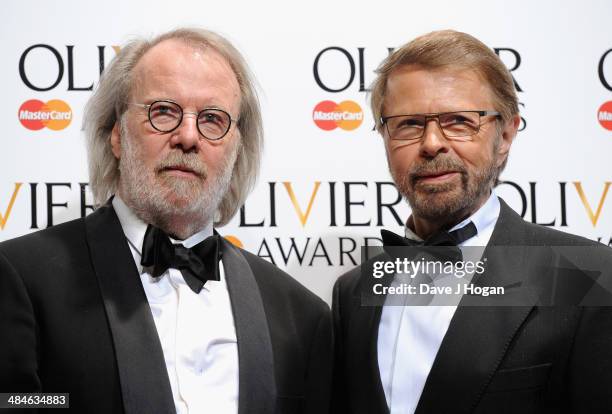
(507, 137)
(115, 140)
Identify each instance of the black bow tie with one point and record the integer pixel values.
(197, 264)
(443, 238)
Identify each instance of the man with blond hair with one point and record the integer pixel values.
(142, 307)
(447, 110)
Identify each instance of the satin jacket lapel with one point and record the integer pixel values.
(142, 370)
(478, 336)
(257, 385)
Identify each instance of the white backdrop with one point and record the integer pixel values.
(560, 162)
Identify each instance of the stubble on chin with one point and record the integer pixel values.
(178, 193)
(438, 202)
(445, 202)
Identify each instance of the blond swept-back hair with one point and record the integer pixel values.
(109, 102)
(448, 49)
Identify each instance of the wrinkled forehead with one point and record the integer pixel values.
(173, 60)
(444, 87)
(434, 78)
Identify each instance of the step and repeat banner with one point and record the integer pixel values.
(324, 189)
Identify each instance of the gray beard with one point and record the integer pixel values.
(180, 207)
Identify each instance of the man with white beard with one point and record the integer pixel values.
(142, 306)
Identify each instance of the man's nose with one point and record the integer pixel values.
(433, 141)
(186, 135)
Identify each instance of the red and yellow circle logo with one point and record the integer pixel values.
(55, 114)
(604, 115)
(329, 115)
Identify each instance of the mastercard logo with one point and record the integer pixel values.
(55, 114)
(604, 115)
(346, 115)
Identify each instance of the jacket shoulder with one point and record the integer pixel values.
(349, 284)
(274, 280)
(554, 237)
(35, 243)
(512, 229)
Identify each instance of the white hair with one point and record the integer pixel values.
(109, 102)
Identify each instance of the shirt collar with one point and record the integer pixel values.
(485, 217)
(134, 228)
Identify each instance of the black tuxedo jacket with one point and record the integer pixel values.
(493, 359)
(74, 318)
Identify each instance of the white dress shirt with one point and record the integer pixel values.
(409, 337)
(196, 331)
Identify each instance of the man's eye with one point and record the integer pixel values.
(456, 119)
(211, 118)
(410, 123)
(164, 111)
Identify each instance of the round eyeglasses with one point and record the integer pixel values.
(459, 125)
(166, 116)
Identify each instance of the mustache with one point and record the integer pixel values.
(183, 161)
(435, 166)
